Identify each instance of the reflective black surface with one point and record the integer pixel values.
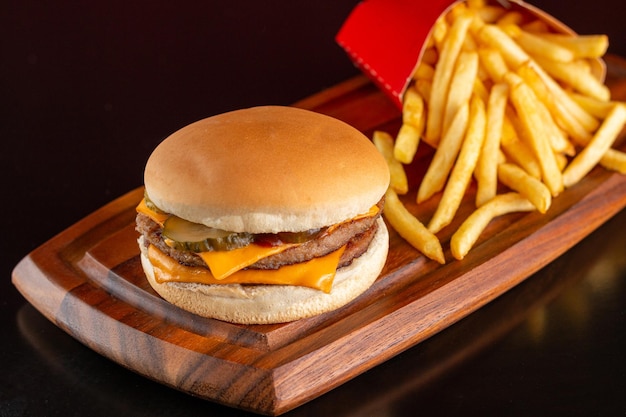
(89, 88)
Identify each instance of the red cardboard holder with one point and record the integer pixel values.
(386, 38)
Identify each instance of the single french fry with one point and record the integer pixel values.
(486, 172)
(538, 46)
(435, 178)
(586, 159)
(413, 109)
(461, 86)
(614, 160)
(413, 121)
(511, 17)
(430, 56)
(424, 71)
(439, 32)
(524, 101)
(443, 73)
(467, 234)
(463, 168)
(411, 229)
(530, 187)
(582, 46)
(595, 107)
(536, 26)
(423, 87)
(407, 141)
(576, 77)
(384, 143)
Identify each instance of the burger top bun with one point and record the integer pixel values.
(266, 170)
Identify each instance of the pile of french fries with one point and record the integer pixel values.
(508, 103)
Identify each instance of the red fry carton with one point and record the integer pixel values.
(386, 38)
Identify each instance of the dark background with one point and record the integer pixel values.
(87, 90)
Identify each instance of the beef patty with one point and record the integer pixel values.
(355, 234)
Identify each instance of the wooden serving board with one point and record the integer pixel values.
(88, 281)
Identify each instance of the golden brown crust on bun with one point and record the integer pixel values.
(265, 170)
(265, 304)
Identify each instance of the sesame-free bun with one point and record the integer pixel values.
(267, 304)
(266, 170)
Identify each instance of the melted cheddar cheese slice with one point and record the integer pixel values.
(318, 273)
(224, 263)
(143, 208)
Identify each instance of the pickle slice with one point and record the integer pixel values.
(150, 204)
(185, 235)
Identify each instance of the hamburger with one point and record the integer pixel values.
(263, 215)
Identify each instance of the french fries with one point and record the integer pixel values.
(516, 150)
(461, 86)
(487, 168)
(596, 108)
(507, 102)
(576, 76)
(493, 63)
(411, 229)
(539, 46)
(398, 180)
(413, 122)
(585, 46)
(524, 101)
(467, 234)
(614, 160)
(597, 147)
(443, 73)
(528, 186)
(445, 155)
(462, 172)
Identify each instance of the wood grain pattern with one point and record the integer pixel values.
(88, 281)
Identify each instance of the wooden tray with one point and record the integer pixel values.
(88, 281)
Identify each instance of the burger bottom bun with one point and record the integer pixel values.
(266, 304)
